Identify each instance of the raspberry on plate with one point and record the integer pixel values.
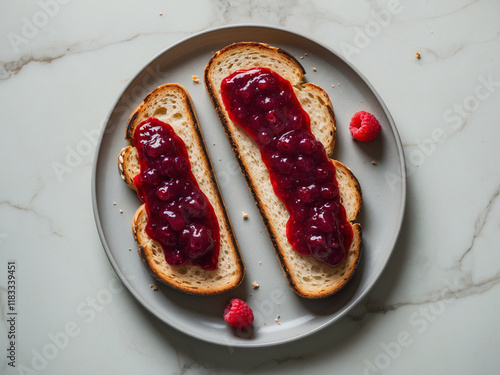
(364, 126)
(238, 314)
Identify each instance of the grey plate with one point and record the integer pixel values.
(383, 193)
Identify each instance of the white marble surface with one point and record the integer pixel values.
(434, 310)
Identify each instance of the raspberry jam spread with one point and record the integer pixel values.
(303, 177)
(180, 217)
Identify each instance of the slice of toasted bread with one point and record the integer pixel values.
(307, 276)
(172, 104)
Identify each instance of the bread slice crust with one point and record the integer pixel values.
(171, 103)
(307, 276)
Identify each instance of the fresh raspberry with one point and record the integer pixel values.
(364, 126)
(238, 314)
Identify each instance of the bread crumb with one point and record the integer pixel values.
(114, 203)
(301, 57)
(338, 83)
(129, 249)
(244, 215)
(260, 263)
(121, 211)
(195, 79)
(161, 14)
(255, 285)
(154, 287)
(305, 54)
(314, 69)
(374, 162)
(418, 55)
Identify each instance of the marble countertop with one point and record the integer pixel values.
(435, 308)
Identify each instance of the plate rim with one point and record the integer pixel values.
(397, 229)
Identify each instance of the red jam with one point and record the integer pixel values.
(303, 177)
(180, 217)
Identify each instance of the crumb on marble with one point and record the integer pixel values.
(374, 162)
(417, 55)
(114, 203)
(195, 79)
(121, 211)
(255, 285)
(244, 215)
(154, 287)
(314, 69)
